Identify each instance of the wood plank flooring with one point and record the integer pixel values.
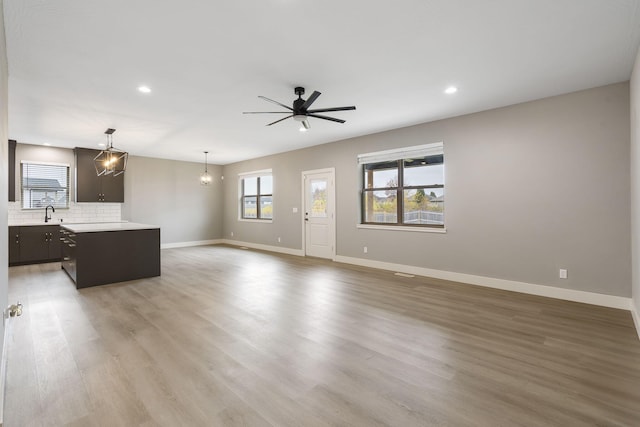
(233, 337)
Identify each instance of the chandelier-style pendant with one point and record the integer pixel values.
(111, 161)
(205, 178)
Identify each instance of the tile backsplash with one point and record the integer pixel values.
(77, 213)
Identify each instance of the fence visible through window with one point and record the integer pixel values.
(415, 217)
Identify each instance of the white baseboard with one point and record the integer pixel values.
(507, 285)
(603, 300)
(279, 249)
(636, 318)
(188, 244)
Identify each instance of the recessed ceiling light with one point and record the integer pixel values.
(451, 90)
(144, 89)
(302, 129)
(46, 144)
(102, 145)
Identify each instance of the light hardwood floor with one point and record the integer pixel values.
(232, 337)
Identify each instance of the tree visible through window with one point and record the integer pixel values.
(406, 191)
(44, 184)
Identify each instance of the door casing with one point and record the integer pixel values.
(331, 199)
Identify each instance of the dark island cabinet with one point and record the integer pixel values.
(68, 243)
(32, 244)
(93, 258)
(93, 188)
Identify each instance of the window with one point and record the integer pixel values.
(256, 200)
(44, 184)
(404, 187)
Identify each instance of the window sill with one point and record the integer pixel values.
(41, 209)
(261, 221)
(402, 228)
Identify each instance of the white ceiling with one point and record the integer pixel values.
(74, 66)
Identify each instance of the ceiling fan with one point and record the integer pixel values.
(300, 110)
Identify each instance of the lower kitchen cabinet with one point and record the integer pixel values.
(14, 245)
(32, 244)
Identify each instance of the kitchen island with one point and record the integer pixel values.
(102, 253)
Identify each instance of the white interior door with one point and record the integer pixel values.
(319, 213)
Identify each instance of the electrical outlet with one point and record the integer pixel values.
(294, 210)
(366, 250)
(563, 273)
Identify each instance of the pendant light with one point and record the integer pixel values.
(110, 161)
(205, 178)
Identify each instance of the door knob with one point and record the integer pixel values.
(15, 309)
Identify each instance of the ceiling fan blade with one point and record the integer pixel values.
(275, 102)
(306, 124)
(324, 110)
(265, 112)
(311, 99)
(333, 119)
(278, 121)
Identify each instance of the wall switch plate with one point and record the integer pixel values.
(294, 210)
(279, 240)
(563, 273)
(232, 234)
(366, 249)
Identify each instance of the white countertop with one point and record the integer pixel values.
(55, 222)
(107, 226)
(32, 223)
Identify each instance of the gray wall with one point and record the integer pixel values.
(635, 183)
(41, 153)
(4, 177)
(168, 193)
(530, 188)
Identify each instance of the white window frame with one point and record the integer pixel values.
(255, 174)
(436, 148)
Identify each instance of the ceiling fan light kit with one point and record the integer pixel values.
(300, 110)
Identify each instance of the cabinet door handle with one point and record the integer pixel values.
(71, 245)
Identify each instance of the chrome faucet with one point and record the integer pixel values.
(47, 217)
